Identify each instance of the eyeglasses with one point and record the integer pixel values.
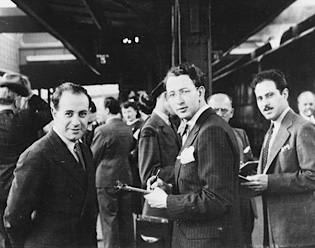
(181, 92)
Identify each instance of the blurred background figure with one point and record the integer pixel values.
(159, 145)
(145, 106)
(22, 115)
(111, 148)
(92, 124)
(131, 116)
(222, 105)
(133, 96)
(306, 105)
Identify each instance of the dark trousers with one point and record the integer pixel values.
(116, 217)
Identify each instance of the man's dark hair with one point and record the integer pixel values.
(71, 87)
(112, 104)
(92, 107)
(191, 70)
(272, 75)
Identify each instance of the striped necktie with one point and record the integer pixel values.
(78, 152)
(266, 147)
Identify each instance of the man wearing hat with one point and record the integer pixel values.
(18, 126)
(159, 145)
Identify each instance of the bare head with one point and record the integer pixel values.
(222, 105)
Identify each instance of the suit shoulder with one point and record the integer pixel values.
(148, 131)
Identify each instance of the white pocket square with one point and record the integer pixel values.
(285, 148)
(187, 155)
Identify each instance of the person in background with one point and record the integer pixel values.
(145, 106)
(131, 116)
(22, 115)
(286, 170)
(92, 124)
(203, 198)
(52, 198)
(222, 105)
(159, 145)
(111, 147)
(306, 105)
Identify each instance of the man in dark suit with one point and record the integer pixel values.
(159, 145)
(286, 170)
(222, 105)
(111, 147)
(52, 198)
(203, 200)
(19, 127)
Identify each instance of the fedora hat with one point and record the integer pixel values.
(14, 82)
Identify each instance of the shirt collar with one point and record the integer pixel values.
(277, 122)
(129, 123)
(308, 118)
(163, 116)
(69, 144)
(191, 123)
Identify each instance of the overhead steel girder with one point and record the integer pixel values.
(78, 44)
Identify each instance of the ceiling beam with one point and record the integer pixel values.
(84, 54)
(93, 10)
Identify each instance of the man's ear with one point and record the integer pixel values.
(232, 112)
(53, 112)
(202, 91)
(285, 93)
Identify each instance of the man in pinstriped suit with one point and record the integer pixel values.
(203, 200)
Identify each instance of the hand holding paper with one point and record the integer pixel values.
(257, 183)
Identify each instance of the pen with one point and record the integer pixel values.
(156, 176)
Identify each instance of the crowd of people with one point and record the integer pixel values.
(174, 144)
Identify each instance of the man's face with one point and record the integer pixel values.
(222, 106)
(306, 105)
(183, 96)
(270, 101)
(71, 118)
(129, 114)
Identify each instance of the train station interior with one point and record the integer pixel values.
(114, 46)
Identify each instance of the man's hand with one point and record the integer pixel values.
(257, 183)
(157, 199)
(154, 182)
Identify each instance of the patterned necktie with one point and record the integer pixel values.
(78, 152)
(266, 148)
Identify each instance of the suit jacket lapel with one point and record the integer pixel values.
(191, 137)
(64, 158)
(280, 139)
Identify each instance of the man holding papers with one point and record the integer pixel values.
(203, 200)
(286, 170)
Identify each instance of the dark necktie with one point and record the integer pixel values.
(185, 134)
(266, 148)
(78, 152)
